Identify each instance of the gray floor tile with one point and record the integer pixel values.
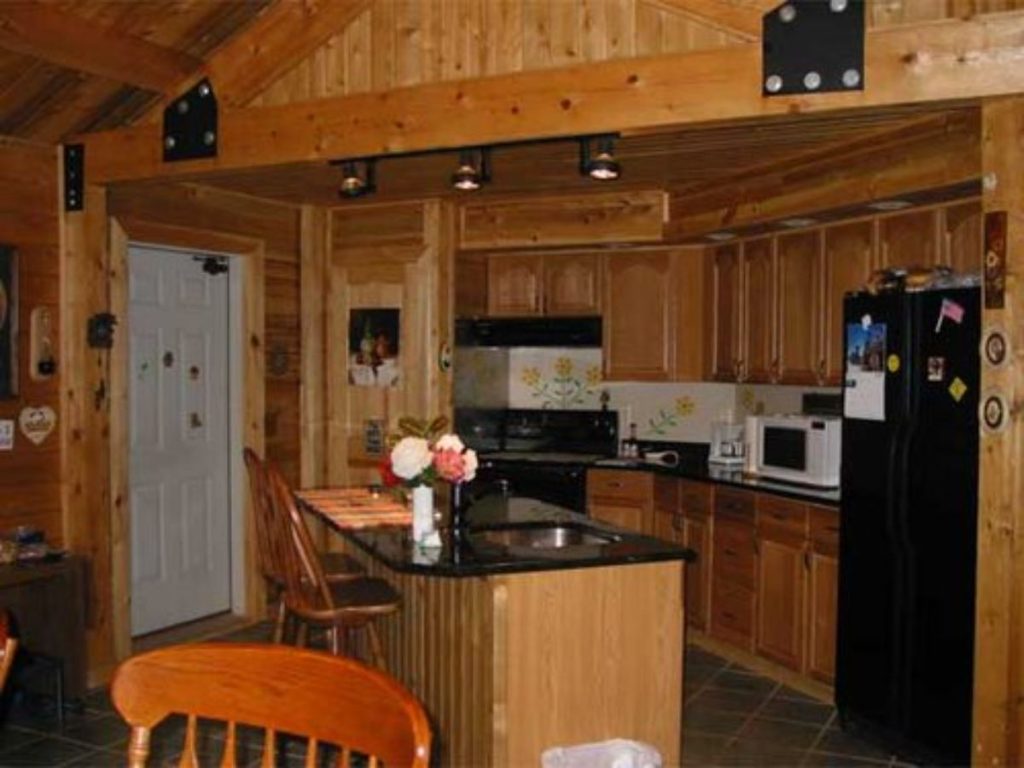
(780, 733)
(727, 700)
(102, 758)
(12, 737)
(712, 721)
(741, 681)
(104, 731)
(702, 748)
(822, 760)
(743, 752)
(49, 751)
(799, 711)
(792, 694)
(838, 742)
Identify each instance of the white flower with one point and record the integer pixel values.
(449, 442)
(410, 457)
(469, 457)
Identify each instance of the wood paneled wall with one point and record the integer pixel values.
(386, 256)
(278, 226)
(409, 42)
(30, 491)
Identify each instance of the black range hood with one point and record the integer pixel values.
(528, 332)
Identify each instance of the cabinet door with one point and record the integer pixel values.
(963, 237)
(725, 309)
(798, 259)
(780, 602)
(470, 287)
(572, 285)
(849, 250)
(758, 310)
(621, 514)
(514, 284)
(638, 311)
(697, 536)
(909, 239)
(822, 596)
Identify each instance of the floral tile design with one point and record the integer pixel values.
(564, 386)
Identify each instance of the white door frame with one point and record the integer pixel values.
(246, 292)
(236, 393)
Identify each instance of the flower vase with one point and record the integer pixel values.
(422, 512)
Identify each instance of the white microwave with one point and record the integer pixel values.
(799, 449)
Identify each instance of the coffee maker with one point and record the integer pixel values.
(728, 447)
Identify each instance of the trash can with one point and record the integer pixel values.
(614, 753)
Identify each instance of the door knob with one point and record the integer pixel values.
(195, 421)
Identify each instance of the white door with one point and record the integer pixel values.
(179, 430)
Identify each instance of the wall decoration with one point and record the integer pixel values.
(8, 322)
(373, 347)
(665, 419)
(6, 434)
(995, 259)
(37, 422)
(564, 387)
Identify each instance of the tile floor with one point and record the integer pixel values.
(732, 718)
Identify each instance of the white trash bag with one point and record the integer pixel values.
(614, 753)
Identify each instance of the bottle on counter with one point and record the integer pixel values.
(630, 446)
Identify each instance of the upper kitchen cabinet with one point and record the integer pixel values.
(572, 284)
(962, 237)
(797, 358)
(757, 350)
(848, 258)
(471, 286)
(514, 285)
(909, 239)
(639, 316)
(725, 312)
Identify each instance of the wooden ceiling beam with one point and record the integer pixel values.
(933, 62)
(57, 36)
(737, 17)
(282, 36)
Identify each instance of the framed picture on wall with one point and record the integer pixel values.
(8, 322)
(373, 347)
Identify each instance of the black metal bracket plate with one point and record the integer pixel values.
(813, 46)
(190, 124)
(74, 177)
(100, 330)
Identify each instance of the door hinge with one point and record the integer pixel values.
(74, 177)
(213, 265)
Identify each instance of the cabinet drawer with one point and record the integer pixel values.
(738, 504)
(694, 498)
(780, 518)
(620, 484)
(734, 553)
(825, 529)
(732, 613)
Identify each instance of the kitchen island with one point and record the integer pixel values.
(515, 647)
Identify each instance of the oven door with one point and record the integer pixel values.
(559, 484)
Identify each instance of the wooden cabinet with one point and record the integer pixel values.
(909, 239)
(471, 287)
(697, 536)
(781, 578)
(621, 497)
(639, 318)
(848, 259)
(758, 337)
(798, 297)
(725, 309)
(572, 284)
(822, 593)
(733, 567)
(514, 285)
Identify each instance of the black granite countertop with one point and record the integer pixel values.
(472, 554)
(693, 465)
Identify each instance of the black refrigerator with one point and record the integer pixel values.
(908, 531)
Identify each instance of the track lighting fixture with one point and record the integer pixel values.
(474, 169)
(597, 158)
(357, 177)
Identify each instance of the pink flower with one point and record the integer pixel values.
(450, 465)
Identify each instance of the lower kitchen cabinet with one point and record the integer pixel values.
(621, 497)
(822, 594)
(780, 602)
(733, 568)
(697, 536)
(619, 513)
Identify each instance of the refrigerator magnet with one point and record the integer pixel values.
(864, 390)
(893, 363)
(957, 389)
(950, 310)
(936, 368)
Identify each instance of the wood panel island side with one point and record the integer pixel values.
(515, 649)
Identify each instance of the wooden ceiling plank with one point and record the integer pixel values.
(743, 20)
(284, 34)
(50, 34)
(933, 62)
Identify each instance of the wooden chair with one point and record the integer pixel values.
(338, 607)
(311, 694)
(337, 566)
(8, 647)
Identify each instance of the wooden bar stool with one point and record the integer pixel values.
(338, 607)
(337, 566)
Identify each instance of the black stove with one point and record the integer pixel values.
(542, 454)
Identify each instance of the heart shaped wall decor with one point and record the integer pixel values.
(37, 422)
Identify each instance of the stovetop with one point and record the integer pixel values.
(543, 457)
